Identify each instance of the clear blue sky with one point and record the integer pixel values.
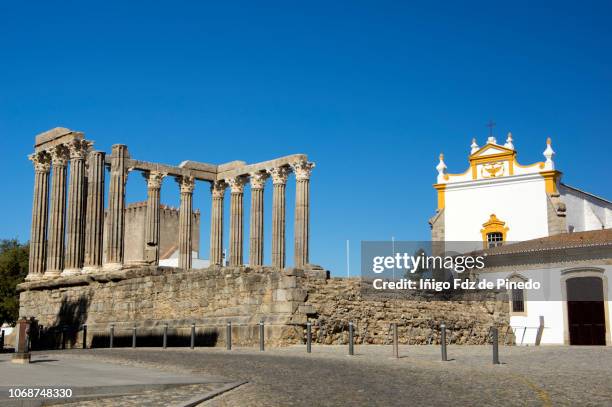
(371, 91)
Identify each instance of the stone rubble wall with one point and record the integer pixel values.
(149, 297)
(339, 301)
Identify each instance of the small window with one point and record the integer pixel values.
(495, 239)
(518, 301)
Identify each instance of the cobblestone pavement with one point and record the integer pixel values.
(532, 376)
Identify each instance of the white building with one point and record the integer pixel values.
(498, 201)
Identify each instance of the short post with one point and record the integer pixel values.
(111, 337)
(228, 335)
(165, 338)
(261, 335)
(2, 340)
(494, 337)
(85, 336)
(308, 337)
(22, 351)
(63, 330)
(192, 345)
(351, 348)
(134, 336)
(395, 342)
(443, 341)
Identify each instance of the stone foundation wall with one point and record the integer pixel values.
(150, 297)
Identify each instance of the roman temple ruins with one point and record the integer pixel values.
(96, 262)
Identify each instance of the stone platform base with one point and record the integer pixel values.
(149, 298)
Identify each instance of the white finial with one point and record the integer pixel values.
(509, 142)
(549, 154)
(491, 140)
(441, 167)
(474, 146)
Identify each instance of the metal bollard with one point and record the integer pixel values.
(228, 336)
(63, 337)
(85, 336)
(494, 335)
(134, 337)
(112, 335)
(192, 345)
(2, 340)
(261, 336)
(308, 337)
(395, 342)
(165, 338)
(351, 348)
(443, 341)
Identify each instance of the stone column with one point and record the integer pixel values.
(236, 220)
(187, 184)
(279, 180)
(256, 229)
(115, 218)
(302, 171)
(94, 218)
(216, 224)
(40, 206)
(76, 209)
(57, 218)
(151, 249)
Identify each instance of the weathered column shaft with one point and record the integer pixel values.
(57, 218)
(185, 222)
(76, 208)
(216, 224)
(114, 247)
(40, 206)
(94, 219)
(279, 180)
(236, 221)
(302, 211)
(152, 232)
(256, 229)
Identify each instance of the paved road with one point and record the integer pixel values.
(90, 379)
(327, 377)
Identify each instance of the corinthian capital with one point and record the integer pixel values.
(187, 183)
(237, 184)
(279, 174)
(258, 179)
(217, 188)
(302, 169)
(154, 179)
(41, 161)
(78, 149)
(59, 155)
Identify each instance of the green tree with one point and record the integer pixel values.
(13, 270)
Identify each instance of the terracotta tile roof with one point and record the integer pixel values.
(591, 238)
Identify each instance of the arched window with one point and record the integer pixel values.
(493, 232)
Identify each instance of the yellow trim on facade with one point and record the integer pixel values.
(506, 155)
(550, 180)
(493, 225)
(441, 190)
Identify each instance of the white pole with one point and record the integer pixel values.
(393, 248)
(348, 263)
